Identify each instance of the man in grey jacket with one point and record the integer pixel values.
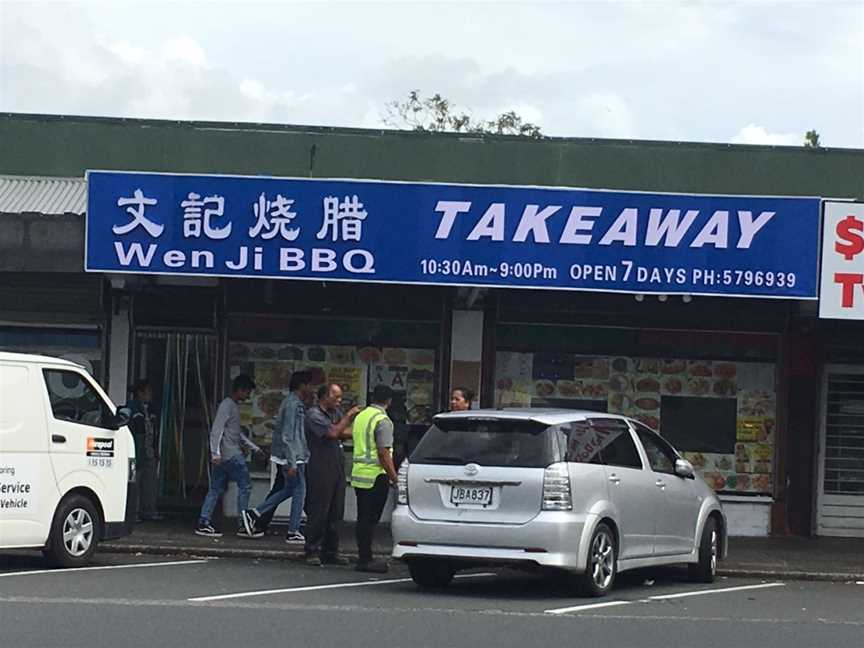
(226, 454)
(290, 454)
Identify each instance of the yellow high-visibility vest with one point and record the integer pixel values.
(366, 467)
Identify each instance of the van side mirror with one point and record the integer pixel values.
(684, 468)
(121, 418)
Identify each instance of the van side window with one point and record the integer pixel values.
(74, 399)
(617, 446)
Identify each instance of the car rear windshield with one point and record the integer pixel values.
(488, 442)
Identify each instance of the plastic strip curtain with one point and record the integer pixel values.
(187, 360)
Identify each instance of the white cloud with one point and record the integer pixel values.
(753, 134)
(128, 53)
(183, 49)
(606, 115)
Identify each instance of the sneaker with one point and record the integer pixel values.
(295, 537)
(338, 560)
(207, 530)
(243, 533)
(250, 521)
(374, 567)
(313, 561)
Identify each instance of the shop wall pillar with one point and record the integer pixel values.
(466, 351)
(803, 425)
(118, 351)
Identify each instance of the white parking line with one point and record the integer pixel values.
(286, 590)
(664, 597)
(314, 588)
(588, 606)
(80, 569)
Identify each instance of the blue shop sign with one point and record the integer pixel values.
(467, 235)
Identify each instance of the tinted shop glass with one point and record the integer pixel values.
(522, 444)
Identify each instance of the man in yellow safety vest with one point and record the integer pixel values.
(373, 473)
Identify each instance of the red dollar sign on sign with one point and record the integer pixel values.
(851, 231)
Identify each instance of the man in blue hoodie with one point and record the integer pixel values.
(290, 454)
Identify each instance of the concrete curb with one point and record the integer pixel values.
(289, 553)
(294, 554)
(791, 574)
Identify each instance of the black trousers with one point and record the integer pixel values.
(370, 506)
(325, 507)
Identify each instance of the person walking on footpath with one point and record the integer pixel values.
(326, 428)
(142, 424)
(290, 453)
(373, 473)
(226, 454)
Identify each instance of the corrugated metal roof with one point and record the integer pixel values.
(42, 195)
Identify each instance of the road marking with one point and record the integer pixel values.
(287, 590)
(101, 567)
(315, 588)
(664, 597)
(588, 606)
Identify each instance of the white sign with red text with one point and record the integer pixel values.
(842, 294)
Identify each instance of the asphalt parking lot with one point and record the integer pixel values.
(130, 600)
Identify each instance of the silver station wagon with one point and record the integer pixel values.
(583, 493)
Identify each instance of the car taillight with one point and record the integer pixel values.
(556, 488)
(402, 484)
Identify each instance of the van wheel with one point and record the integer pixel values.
(705, 571)
(599, 576)
(431, 574)
(74, 533)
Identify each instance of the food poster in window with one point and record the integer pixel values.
(271, 366)
(410, 373)
(719, 414)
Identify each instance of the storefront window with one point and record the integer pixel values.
(719, 414)
(357, 369)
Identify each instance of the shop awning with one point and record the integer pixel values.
(42, 195)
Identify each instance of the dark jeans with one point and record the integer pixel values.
(325, 508)
(370, 506)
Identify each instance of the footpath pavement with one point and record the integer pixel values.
(791, 558)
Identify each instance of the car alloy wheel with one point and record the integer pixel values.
(77, 532)
(602, 560)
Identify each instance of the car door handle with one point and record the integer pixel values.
(660, 483)
(58, 438)
(615, 479)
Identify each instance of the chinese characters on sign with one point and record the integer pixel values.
(842, 293)
(400, 232)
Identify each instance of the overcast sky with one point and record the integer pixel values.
(753, 71)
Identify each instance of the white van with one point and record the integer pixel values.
(67, 460)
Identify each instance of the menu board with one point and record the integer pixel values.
(727, 432)
(410, 372)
